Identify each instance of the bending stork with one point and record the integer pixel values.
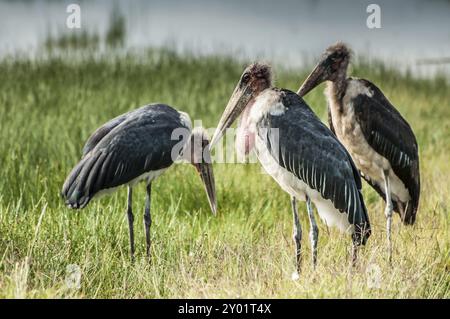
(380, 141)
(300, 153)
(138, 145)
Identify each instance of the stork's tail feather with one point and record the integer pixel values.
(410, 213)
(410, 207)
(77, 189)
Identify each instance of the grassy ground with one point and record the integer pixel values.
(49, 107)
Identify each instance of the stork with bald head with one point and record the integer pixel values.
(138, 146)
(380, 141)
(300, 153)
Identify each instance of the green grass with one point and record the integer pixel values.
(49, 107)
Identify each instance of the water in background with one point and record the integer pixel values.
(415, 34)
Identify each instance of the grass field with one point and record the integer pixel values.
(48, 108)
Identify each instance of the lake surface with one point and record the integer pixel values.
(285, 32)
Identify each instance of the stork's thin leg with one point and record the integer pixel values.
(388, 213)
(130, 221)
(354, 253)
(313, 231)
(148, 218)
(297, 233)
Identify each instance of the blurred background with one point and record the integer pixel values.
(414, 34)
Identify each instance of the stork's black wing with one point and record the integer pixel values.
(103, 130)
(310, 151)
(388, 133)
(139, 144)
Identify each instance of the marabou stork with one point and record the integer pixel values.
(138, 145)
(380, 141)
(300, 153)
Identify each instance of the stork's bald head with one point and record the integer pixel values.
(333, 62)
(337, 51)
(256, 78)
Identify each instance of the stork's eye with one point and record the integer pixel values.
(336, 61)
(334, 57)
(246, 77)
(335, 65)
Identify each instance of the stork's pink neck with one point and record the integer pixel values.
(245, 139)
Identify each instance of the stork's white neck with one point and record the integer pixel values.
(267, 102)
(186, 120)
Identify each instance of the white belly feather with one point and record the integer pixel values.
(297, 188)
(148, 177)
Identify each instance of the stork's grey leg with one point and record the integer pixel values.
(148, 218)
(313, 231)
(297, 234)
(130, 221)
(354, 253)
(388, 212)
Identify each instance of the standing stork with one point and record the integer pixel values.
(300, 153)
(138, 145)
(380, 141)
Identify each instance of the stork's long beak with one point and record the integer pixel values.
(317, 76)
(206, 174)
(241, 96)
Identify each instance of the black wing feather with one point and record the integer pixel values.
(103, 130)
(388, 133)
(309, 150)
(138, 144)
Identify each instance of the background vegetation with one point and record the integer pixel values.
(48, 108)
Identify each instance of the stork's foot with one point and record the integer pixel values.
(295, 276)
